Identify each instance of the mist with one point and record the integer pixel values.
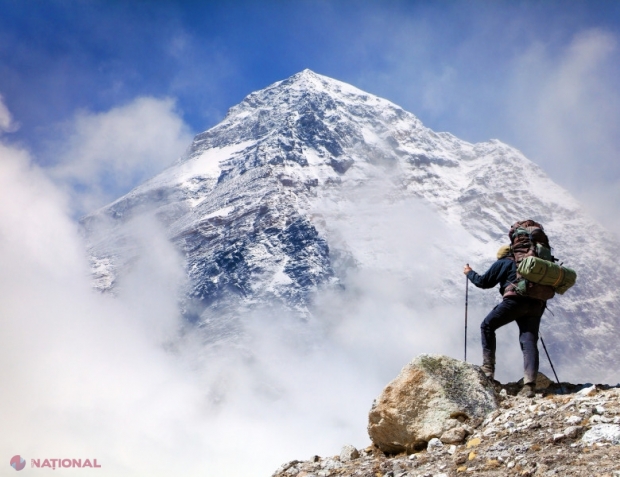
(112, 377)
(122, 379)
(563, 109)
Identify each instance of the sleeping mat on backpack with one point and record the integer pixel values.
(543, 272)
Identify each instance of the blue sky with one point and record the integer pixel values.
(537, 75)
(61, 56)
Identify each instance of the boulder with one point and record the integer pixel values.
(432, 395)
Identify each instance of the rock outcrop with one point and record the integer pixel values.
(432, 397)
(567, 430)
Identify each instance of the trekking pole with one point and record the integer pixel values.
(549, 358)
(466, 300)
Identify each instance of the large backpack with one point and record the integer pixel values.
(528, 239)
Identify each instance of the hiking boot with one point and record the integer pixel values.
(489, 371)
(528, 390)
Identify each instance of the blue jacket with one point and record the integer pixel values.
(504, 272)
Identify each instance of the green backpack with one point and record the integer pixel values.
(538, 276)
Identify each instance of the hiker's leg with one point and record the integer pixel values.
(499, 316)
(528, 339)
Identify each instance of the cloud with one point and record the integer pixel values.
(100, 156)
(96, 376)
(93, 376)
(85, 374)
(565, 111)
(110, 378)
(6, 119)
(391, 309)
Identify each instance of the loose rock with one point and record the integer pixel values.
(349, 453)
(603, 433)
(456, 435)
(434, 444)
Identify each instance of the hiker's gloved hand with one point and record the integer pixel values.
(467, 269)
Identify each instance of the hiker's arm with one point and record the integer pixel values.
(489, 279)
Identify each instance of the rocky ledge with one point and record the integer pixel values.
(572, 430)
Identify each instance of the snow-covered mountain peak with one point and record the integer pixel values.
(305, 84)
(308, 103)
(304, 181)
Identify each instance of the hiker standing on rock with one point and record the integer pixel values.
(523, 301)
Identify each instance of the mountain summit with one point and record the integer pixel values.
(259, 203)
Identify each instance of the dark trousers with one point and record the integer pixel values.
(527, 313)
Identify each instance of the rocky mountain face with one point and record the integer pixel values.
(257, 203)
(568, 430)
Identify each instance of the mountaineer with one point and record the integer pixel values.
(524, 294)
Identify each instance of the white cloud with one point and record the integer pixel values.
(101, 377)
(390, 310)
(86, 378)
(101, 156)
(89, 374)
(92, 376)
(565, 111)
(6, 119)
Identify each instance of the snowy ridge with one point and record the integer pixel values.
(254, 202)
